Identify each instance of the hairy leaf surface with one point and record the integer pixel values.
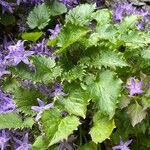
(136, 113)
(80, 15)
(105, 92)
(39, 17)
(57, 127)
(102, 128)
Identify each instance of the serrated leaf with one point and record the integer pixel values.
(102, 128)
(39, 17)
(77, 101)
(136, 113)
(135, 39)
(26, 98)
(80, 15)
(102, 16)
(105, 92)
(124, 101)
(88, 146)
(14, 121)
(32, 36)
(76, 72)
(146, 54)
(128, 23)
(57, 8)
(39, 144)
(93, 40)
(108, 59)
(69, 35)
(57, 127)
(46, 70)
(28, 122)
(107, 32)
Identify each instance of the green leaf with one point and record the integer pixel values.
(57, 127)
(39, 17)
(26, 98)
(129, 22)
(105, 92)
(107, 32)
(146, 54)
(32, 36)
(80, 15)
(136, 113)
(39, 144)
(89, 146)
(102, 128)
(57, 8)
(28, 122)
(108, 59)
(93, 40)
(124, 101)
(134, 39)
(102, 16)
(46, 70)
(77, 101)
(69, 35)
(76, 72)
(13, 120)
(145, 102)
(7, 19)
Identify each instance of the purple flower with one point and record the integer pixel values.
(17, 53)
(3, 65)
(3, 139)
(23, 145)
(7, 6)
(44, 90)
(122, 145)
(28, 84)
(6, 103)
(3, 70)
(70, 3)
(41, 48)
(55, 31)
(39, 109)
(124, 9)
(37, 1)
(135, 86)
(57, 90)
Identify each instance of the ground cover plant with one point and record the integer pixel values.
(74, 75)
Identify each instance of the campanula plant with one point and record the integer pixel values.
(74, 75)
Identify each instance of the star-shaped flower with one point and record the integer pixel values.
(6, 103)
(54, 32)
(7, 6)
(3, 140)
(57, 90)
(122, 145)
(17, 53)
(23, 145)
(3, 68)
(135, 86)
(39, 109)
(70, 3)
